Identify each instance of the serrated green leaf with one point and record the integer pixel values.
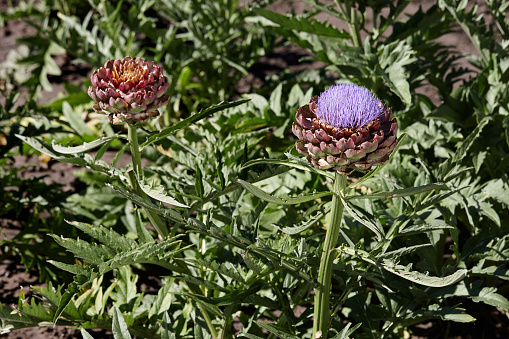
(192, 119)
(492, 271)
(105, 235)
(40, 145)
(467, 143)
(416, 229)
(119, 326)
(347, 331)
(166, 330)
(302, 24)
(167, 213)
(85, 334)
(396, 79)
(401, 192)
(303, 166)
(280, 201)
(311, 222)
(220, 268)
(274, 329)
(357, 216)
(91, 253)
(87, 146)
(275, 99)
(459, 318)
(162, 302)
(488, 295)
(74, 269)
(46, 148)
(77, 124)
(444, 313)
(423, 279)
(69, 293)
(35, 311)
(158, 194)
(436, 198)
(401, 251)
(200, 327)
(413, 276)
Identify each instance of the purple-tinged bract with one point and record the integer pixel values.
(344, 129)
(129, 90)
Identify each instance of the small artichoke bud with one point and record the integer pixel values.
(129, 90)
(344, 129)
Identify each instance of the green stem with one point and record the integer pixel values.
(156, 221)
(323, 287)
(135, 151)
(353, 26)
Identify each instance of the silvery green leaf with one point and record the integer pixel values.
(87, 146)
(426, 280)
(347, 331)
(357, 216)
(75, 120)
(280, 201)
(105, 235)
(46, 148)
(299, 165)
(192, 119)
(274, 329)
(168, 213)
(401, 251)
(85, 334)
(303, 24)
(158, 194)
(306, 225)
(119, 326)
(467, 143)
(401, 192)
(166, 327)
(413, 276)
(421, 228)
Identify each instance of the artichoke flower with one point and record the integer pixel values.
(344, 129)
(129, 90)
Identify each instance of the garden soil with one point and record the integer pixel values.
(13, 276)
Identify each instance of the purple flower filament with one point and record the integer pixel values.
(348, 106)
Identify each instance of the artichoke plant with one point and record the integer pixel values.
(344, 129)
(129, 90)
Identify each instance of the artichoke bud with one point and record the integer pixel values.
(129, 90)
(344, 129)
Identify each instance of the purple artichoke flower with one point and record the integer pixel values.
(129, 90)
(344, 129)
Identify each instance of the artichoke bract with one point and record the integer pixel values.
(129, 90)
(344, 129)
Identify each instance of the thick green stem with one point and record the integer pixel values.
(135, 151)
(354, 27)
(323, 287)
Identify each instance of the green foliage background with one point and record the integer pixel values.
(240, 252)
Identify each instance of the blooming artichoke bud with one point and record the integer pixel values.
(344, 129)
(129, 90)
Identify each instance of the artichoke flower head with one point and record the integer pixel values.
(129, 90)
(344, 129)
